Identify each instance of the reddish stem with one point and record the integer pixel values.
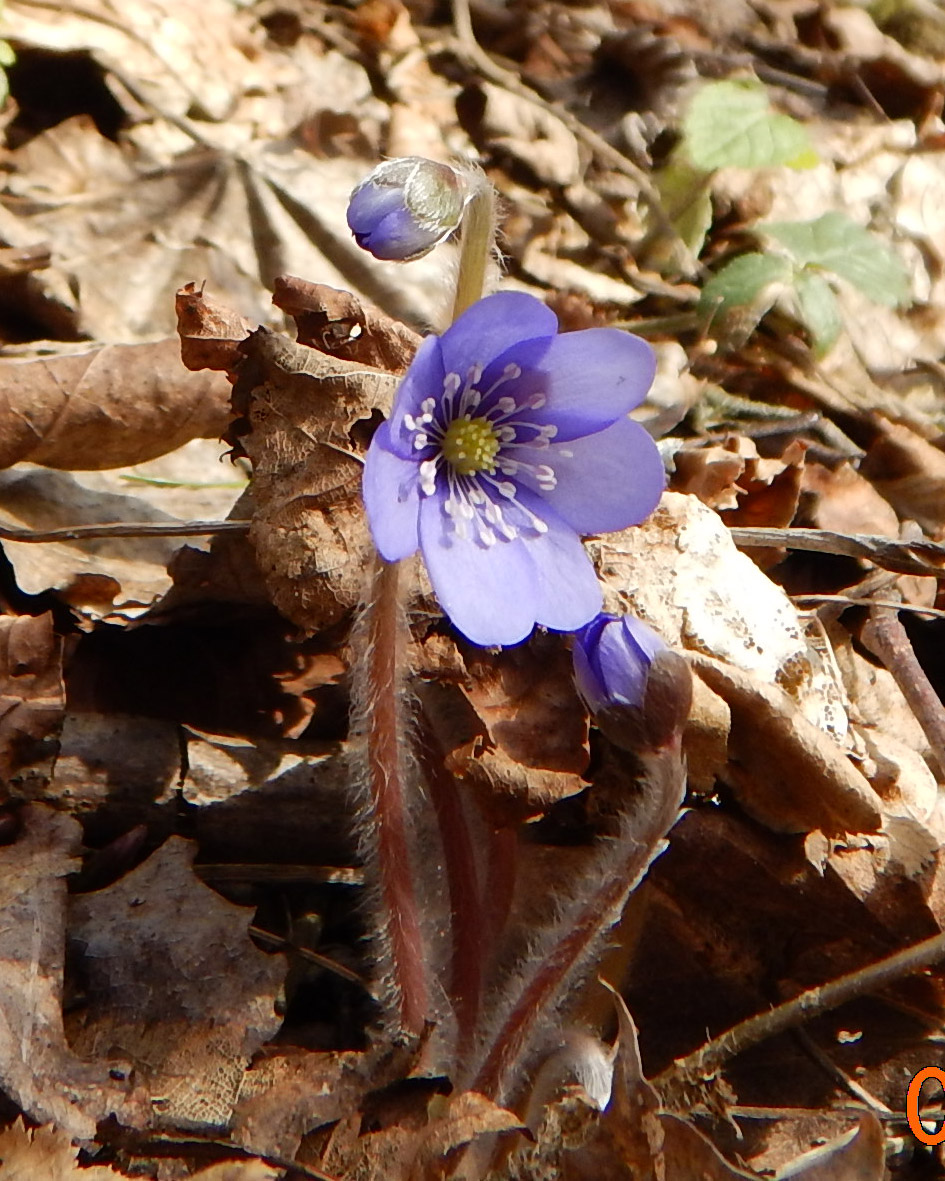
(386, 757)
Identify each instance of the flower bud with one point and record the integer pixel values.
(638, 690)
(405, 207)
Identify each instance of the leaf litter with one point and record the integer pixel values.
(175, 711)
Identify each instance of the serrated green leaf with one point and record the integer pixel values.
(835, 243)
(731, 124)
(686, 200)
(817, 308)
(751, 280)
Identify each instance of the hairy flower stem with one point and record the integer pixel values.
(468, 928)
(477, 243)
(579, 931)
(379, 694)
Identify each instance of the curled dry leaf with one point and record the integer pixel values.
(175, 984)
(32, 694)
(301, 409)
(106, 407)
(47, 1152)
(528, 708)
(785, 771)
(209, 330)
(909, 472)
(38, 1070)
(338, 323)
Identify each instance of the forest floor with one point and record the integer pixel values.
(194, 353)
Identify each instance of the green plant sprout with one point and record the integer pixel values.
(807, 257)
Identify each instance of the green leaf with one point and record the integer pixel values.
(817, 308)
(835, 243)
(731, 124)
(686, 200)
(749, 281)
(7, 56)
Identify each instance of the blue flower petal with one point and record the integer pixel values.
(567, 593)
(391, 490)
(589, 378)
(494, 324)
(605, 481)
(424, 379)
(488, 593)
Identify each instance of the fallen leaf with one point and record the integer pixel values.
(32, 695)
(175, 985)
(107, 406)
(784, 770)
(46, 1152)
(309, 530)
(38, 1070)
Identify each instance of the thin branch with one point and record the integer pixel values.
(904, 557)
(123, 529)
(886, 638)
(705, 1063)
(852, 601)
(468, 48)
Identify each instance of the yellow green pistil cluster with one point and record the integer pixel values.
(470, 445)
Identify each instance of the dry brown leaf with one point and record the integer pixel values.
(32, 694)
(38, 1071)
(338, 323)
(526, 699)
(288, 1094)
(175, 985)
(309, 529)
(108, 406)
(785, 771)
(681, 573)
(47, 1153)
(232, 215)
(209, 331)
(102, 575)
(910, 473)
(179, 56)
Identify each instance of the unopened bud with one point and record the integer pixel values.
(638, 690)
(405, 207)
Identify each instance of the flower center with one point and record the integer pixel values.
(470, 445)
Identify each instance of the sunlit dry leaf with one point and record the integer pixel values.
(784, 770)
(46, 1152)
(681, 573)
(107, 406)
(98, 575)
(236, 216)
(175, 985)
(532, 134)
(178, 55)
(38, 1070)
(309, 529)
(32, 695)
(526, 699)
(910, 473)
(209, 330)
(338, 323)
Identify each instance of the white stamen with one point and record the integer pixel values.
(428, 476)
(420, 441)
(536, 401)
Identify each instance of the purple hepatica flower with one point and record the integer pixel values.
(405, 207)
(507, 441)
(612, 658)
